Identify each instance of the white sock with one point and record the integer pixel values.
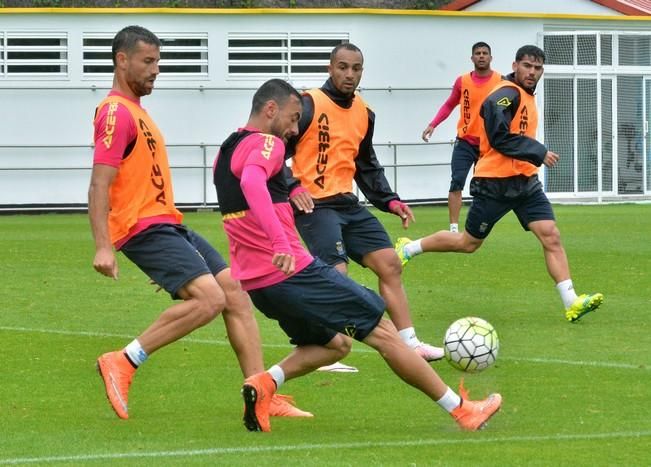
(566, 289)
(408, 336)
(449, 401)
(454, 228)
(277, 374)
(413, 248)
(135, 353)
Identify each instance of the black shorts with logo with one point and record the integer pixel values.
(315, 304)
(335, 234)
(172, 255)
(493, 198)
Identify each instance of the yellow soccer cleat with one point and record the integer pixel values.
(400, 250)
(583, 305)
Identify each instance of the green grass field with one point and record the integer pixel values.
(574, 394)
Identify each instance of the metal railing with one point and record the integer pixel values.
(204, 165)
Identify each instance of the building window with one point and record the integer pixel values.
(182, 55)
(280, 55)
(33, 55)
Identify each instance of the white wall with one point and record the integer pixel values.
(573, 7)
(401, 51)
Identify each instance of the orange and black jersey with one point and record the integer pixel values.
(368, 174)
(498, 111)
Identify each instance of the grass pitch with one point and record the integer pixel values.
(574, 394)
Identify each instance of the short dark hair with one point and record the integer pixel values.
(127, 38)
(276, 90)
(345, 45)
(531, 51)
(477, 45)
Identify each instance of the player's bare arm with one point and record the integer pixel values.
(98, 209)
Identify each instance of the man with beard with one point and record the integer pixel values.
(320, 309)
(131, 209)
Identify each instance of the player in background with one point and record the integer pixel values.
(319, 308)
(333, 148)
(506, 179)
(468, 92)
(131, 208)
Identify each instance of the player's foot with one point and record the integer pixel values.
(338, 367)
(257, 392)
(429, 352)
(116, 372)
(400, 250)
(583, 305)
(284, 406)
(473, 415)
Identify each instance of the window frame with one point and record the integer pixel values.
(286, 51)
(6, 61)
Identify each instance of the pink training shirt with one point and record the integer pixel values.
(113, 134)
(266, 228)
(453, 100)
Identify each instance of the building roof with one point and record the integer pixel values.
(626, 7)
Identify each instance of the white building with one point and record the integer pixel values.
(594, 102)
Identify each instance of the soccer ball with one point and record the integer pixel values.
(471, 344)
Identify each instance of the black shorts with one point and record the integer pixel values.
(334, 235)
(492, 199)
(464, 156)
(172, 255)
(317, 303)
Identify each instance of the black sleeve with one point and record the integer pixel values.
(290, 148)
(369, 174)
(498, 111)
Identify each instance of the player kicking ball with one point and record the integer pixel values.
(320, 309)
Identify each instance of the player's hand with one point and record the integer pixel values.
(285, 262)
(427, 132)
(551, 158)
(303, 201)
(403, 211)
(105, 263)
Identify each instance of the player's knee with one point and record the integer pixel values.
(383, 337)
(211, 302)
(468, 243)
(392, 268)
(341, 344)
(470, 247)
(551, 238)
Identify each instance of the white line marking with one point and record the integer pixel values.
(304, 447)
(557, 361)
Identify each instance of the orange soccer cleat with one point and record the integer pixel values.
(116, 372)
(284, 406)
(473, 415)
(257, 392)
